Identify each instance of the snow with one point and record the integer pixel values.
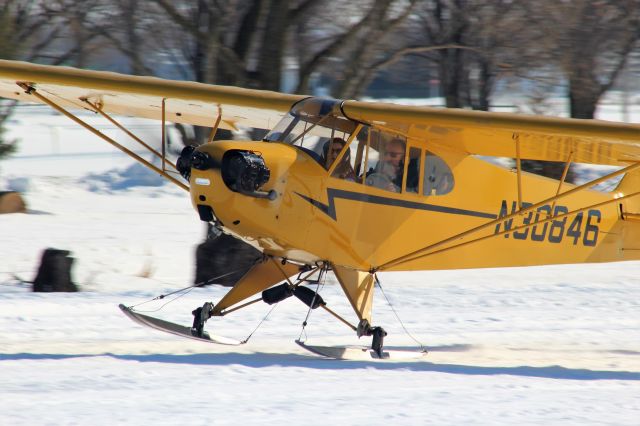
(528, 346)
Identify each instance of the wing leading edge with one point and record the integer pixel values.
(186, 102)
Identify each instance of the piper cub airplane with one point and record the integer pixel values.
(356, 187)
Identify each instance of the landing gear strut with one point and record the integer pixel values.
(357, 285)
(378, 333)
(200, 316)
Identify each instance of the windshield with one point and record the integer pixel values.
(311, 123)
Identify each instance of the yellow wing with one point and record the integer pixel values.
(186, 102)
(472, 132)
(495, 134)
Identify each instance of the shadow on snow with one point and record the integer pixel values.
(264, 359)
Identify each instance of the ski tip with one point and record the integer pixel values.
(126, 309)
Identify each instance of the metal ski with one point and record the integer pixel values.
(362, 353)
(177, 329)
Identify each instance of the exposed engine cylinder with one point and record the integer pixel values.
(244, 171)
(183, 164)
(201, 160)
(189, 158)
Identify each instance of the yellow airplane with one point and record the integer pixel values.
(357, 187)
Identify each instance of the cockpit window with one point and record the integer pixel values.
(438, 178)
(310, 124)
(386, 156)
(362, 153)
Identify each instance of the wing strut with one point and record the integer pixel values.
(518, 170)
(98, 108)
(214, 129)
(562, 179)
(164, 131)
(30, 90)
(423, 252)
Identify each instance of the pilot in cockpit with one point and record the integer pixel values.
(330, 151)
(388, 172)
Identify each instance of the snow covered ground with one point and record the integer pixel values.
(544, 345)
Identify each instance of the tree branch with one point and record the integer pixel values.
(185, 23)
(399, 54)
(331, 49)
(302, 9)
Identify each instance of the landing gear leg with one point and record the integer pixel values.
(200, 316)
(378, 340)
(378, 333)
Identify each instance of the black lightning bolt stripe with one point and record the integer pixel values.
(332, 194)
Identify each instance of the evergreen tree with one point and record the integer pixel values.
(6, 146)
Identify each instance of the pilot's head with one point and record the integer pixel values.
(332, 148)
(394, 153)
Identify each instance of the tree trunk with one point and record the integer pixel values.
(449, 70)
(582, 107)
(80, 40)
(247, 30)
(236, 74)
(200, 60)
(355, 72)
(583, 100)
(130, 10)
(485, 83)
(346, 86)
(273, 46)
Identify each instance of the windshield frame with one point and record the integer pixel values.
(321, 117)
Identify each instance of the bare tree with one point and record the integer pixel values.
(592, 39)
(71, 38)
(235, 42)
(23, 29)
(24, 32)
(348, 42)
(128, 27)
(496, 32)
(469, 42)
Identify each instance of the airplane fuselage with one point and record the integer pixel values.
(314, 216)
